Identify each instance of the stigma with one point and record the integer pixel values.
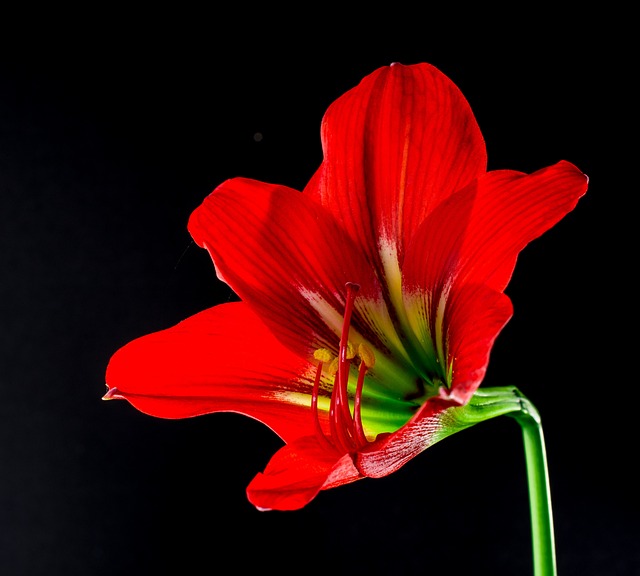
(346, 432)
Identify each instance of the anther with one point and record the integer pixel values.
(351, 352)
(332, 369)
(323, 355)
(366, 355)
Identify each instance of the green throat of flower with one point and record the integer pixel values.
(370, 394)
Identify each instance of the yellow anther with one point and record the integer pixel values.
(323, 355)
(366, 355)
(332, 368)
(351, 353)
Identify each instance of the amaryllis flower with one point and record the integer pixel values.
(369, 302)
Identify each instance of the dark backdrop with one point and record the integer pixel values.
(111, 135)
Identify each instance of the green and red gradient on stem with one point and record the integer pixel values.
(369, 301)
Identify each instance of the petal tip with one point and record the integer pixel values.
(113, 394)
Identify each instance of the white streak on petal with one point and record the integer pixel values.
(417, 306)
(439, 323)
(410, 326)
(328, 313)
(299, 399)
(393, 277)
(376, 316)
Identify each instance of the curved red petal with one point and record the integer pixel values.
(395, 147)
(222, 359)
(511, 211)
(284, 255)
(297, 473)
(390, 452)
(474, 317)
(477, 234)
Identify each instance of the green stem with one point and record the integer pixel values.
(489, 403)
(544, 554)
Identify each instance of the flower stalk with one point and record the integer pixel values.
(544, 555)
(489, 403)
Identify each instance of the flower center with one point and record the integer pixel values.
(346, 432)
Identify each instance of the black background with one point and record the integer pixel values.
(112, 131)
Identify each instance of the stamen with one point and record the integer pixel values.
(367, 360)
(346, 431)
(323, 355)
(341, 429)
(357, 405)
(314, 399)
(343, 354)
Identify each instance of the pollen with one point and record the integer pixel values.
(366, 355)
(333, 366)
(351, 352)
(323, 355)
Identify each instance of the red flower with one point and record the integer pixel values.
(369, 302)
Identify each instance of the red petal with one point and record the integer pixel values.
(466, 252)
(297, 472)
(478, 233)
(222, 359)
(275, 247)
(474, 317)
(395, 146)
(392, 451)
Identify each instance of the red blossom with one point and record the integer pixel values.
(370, 301)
